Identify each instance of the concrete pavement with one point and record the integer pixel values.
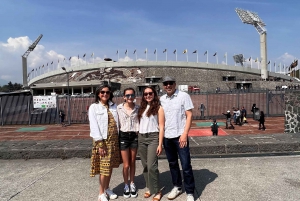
(217, 179)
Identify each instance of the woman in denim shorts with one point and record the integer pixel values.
(128, 139)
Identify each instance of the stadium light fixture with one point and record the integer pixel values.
(24, 60)
(68, 97)
(252, 18)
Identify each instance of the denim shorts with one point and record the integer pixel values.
(128, 140)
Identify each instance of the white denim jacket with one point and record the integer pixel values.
(98, 118)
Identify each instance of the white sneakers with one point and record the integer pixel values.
(126, 193)
(110, 194)
(133, 192)
(190, 197)
(174, 193)
(102, 197)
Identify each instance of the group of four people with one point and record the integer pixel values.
(120, 132)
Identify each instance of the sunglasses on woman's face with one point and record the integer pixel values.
(105, 92)
(130, 95)
(150, 94)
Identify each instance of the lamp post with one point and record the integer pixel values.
(68, 98)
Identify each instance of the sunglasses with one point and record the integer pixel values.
(105, 92)
(168, 83)
(150, 94)
(130, 95)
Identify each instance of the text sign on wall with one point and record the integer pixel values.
(44, 102)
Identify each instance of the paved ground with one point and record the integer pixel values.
(217, 179)
(54, 141)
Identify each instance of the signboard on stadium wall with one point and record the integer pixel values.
(44, 102)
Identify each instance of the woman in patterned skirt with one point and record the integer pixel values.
(103, 119)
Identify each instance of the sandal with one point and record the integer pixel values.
(102, 197)
(157, 198)
(147, 194)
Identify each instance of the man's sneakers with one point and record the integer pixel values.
(126, 193)
(190, 197)
(110, 194)
(133, 190)
(176, 191)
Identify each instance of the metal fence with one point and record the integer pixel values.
(18, 108)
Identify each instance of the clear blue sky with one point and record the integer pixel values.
(72, 28)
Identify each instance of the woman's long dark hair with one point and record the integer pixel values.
(97, 98)
(154, 104)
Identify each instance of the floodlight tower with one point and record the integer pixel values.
(252, 18)
(24, 60)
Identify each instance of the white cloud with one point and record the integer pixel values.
(11, 60)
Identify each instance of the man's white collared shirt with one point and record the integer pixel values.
(174, 108)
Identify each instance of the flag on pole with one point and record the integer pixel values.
(92, 54)
(32, 70)
(256, 60)
(39, 67)
(134, 51)
(250, 59)
(43, 66)
(269, 62)
(165, 51)
(70, 58)
(155, 51)
(274, 64)
(215, 54)
(185, 51)
(205, 53)
(174, 52)
(225, 55)
(195, 52)
(58, 61)
(84, 55)
(47, 64)
(126, 51)
(52, 62)
(78, 56)
(146, 50)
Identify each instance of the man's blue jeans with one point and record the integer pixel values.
(173, 150)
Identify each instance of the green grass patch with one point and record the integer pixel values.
(207, 124)
(30, 129)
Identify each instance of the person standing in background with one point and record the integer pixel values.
(103, 120)
(151, 134)
(128, 137)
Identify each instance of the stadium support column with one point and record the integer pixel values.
(24, 68)
(263, 54)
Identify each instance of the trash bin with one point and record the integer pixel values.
(256, 114)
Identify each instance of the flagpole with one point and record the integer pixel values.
(197, 56)
(135, 56)
(187, 57)
(118, 56)
(251, 61)
(217, 58)
(156, 54)
(176, 54)
(207, 57)
(166, 56)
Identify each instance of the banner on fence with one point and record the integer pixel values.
(44, 102)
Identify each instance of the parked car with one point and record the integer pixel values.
(194, 89)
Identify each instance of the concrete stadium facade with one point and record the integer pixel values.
(137, 74)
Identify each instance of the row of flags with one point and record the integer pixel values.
(165, 50)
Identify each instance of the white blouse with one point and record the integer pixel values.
(148, 124)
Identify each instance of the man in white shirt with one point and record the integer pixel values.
(178, 107)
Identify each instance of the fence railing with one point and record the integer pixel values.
(18, 109)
